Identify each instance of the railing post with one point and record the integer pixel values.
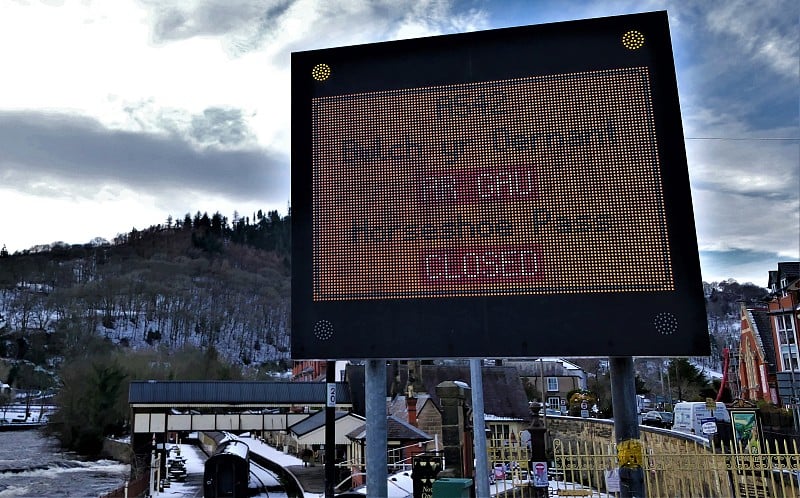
(537, 467)
(152, 471)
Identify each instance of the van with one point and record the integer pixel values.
(689, 416)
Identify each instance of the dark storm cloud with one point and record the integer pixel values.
(56, 149)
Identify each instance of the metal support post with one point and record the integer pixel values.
(626, 428)
(330, 429)
(375, 386)
(479, 430)
(153, 485)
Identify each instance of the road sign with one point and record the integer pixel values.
(450, 189)
(709, 426)
(331, 398)
(540, 479)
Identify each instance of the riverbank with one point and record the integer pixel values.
(118, 449)
(32, 464)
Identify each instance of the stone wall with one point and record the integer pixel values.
(118, 450)
(576, 429)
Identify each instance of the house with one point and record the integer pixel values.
(309, 433)
(505, 404)
(551, 378)
(756, 365)
(404, 441)
(783, 309)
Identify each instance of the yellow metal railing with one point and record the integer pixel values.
(686, 469)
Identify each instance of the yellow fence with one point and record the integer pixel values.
(589, 468)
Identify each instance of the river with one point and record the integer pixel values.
(33, 465)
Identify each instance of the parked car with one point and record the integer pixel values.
(657, 419)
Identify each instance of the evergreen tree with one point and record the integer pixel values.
(687, 382)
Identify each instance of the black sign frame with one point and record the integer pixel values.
(663, 323)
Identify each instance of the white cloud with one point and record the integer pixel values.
(107, 89)
(768, 36)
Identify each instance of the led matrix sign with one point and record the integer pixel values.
(525, 186)
(452, 189)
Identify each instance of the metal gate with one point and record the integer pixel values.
(687, 469)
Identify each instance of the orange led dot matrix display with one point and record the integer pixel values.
(520, 192)
(523, 186)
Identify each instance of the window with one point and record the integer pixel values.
(500, 433)
(554, 402)
(552, 384)
(784, 326)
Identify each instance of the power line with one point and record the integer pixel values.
(743, 139)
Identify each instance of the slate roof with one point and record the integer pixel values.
(548, 367)
(763, 326)
(396, 429)
(249, 393)
(314, 422)
(790, 270)
(503, 394)
(399, 408)
(356, 381)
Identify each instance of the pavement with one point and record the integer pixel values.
(311, 478)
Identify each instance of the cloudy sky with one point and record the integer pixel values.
(116, 114)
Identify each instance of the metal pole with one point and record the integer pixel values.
(479, 430)
(330, 428)
(375, 387)
(153, 467)
(626, 428)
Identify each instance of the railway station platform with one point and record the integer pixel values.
(311, 479)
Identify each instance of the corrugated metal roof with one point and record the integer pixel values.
(232, 392)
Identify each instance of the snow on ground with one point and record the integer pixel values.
(195, 465)
(270, 453)
(399, 485)
(20, 412)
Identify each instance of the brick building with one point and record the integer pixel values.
(783, 309)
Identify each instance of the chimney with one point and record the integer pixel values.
(411, 406)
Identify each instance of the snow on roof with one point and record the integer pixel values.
(494, 418)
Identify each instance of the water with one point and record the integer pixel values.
(33, 465)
